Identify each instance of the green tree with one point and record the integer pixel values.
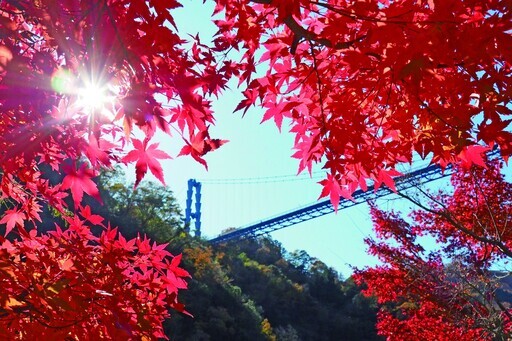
(150, 208)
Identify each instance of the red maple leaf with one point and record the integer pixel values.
(174, 267)
(93, 218)
(99, 151)
(146, 156)
(65, 264)
(80, 181)
(386, 177)
(332, 188)
(32, 209)
(473, 155)
(122, 243)
(12, 218)
(199, 145)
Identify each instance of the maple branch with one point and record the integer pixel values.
(503, 309)
(301, 33)
(495, 299)
(486, 202)
(116, 30)
(319, 84)
(73, 323)
(467, 296)
(360, 17)
(427, 107)
(446, 215)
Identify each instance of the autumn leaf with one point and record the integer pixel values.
(473, 155)
(386, 177)
(66, 264)
(146, 157)
(124, 244)
(199, 145)
(332, 188)
(80, 181)
(99, 151)
(12, 218)
(93, 218)
(174, 267)
(12, 303)
(32, 208)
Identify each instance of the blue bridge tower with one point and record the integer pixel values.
(196, 215)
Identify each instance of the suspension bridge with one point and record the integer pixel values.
(320, 208)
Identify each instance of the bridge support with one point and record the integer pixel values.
(193, 184)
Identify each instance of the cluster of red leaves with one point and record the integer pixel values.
(69, 283)
(450, 292)
(50, 50)
(366, 84)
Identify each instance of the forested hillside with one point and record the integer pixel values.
(245, 290)
(255, 290)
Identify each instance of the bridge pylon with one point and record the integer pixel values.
(196, 215)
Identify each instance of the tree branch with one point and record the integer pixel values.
(446, 215)
(302, 33)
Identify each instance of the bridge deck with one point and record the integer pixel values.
(323, 207)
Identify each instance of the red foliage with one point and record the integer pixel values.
(67, 284)
(450, 292)
(76, 77)
(365, 85)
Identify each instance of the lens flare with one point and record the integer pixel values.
(92, 97)
(88, 94)
(96, 98)
(62, 81)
